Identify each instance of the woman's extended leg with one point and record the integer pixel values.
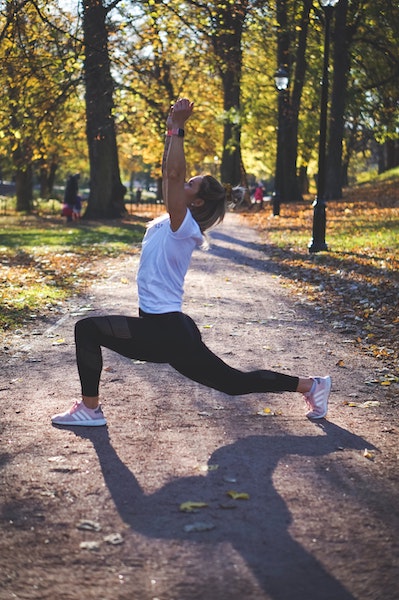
(208, 369)
(200, 364)
(203, 366)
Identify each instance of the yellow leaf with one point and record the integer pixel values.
(368, 454)
(340, 363)
(206, 468)
(268, 412)
(385, 383)
(124, 280)
(190, 506)
(238, 495)
(366, 404)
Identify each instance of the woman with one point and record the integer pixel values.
(163, 333)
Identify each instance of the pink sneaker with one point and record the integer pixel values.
(317, 398)
(79, 414)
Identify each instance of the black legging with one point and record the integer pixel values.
(168, 338)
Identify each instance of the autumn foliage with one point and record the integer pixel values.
(355, 285)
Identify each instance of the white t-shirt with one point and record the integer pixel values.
(164, 261)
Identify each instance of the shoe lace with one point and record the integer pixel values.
(75, 407)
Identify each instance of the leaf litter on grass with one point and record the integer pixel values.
(355, 285)
(42, 263)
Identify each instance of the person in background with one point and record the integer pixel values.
(70, 196)
(258, 196)
(77, 209)
(163, 333)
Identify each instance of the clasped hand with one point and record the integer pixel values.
(179, 113)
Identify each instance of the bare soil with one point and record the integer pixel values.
(95, 513)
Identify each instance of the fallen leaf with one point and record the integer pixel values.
(238, 495)
(56, 459)
(268, 412)
(87, 525)
(114, 539)
(366, 404)
(198, 526)
(369, 454)
(90, 545)
(206, 468)
(191, 506)
(370, 403)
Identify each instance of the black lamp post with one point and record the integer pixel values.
(318, 242)
(281, 80)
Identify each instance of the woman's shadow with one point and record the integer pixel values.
(257, 529)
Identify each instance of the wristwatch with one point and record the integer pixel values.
(179, 132)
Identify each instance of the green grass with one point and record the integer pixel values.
(373, 177)
(355, 284)
(107, 238)
(44, 261)
(365, 222)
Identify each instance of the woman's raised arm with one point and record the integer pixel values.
(174, 163)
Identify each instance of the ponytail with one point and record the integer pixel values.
(217, 198)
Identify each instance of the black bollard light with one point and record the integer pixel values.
(281, 80)
(318, 242)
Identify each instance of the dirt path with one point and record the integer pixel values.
(321, 518)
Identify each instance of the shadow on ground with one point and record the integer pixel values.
(258, 530)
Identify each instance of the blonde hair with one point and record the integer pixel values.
(217, 198)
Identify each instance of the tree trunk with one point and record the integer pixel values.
(288, 119)
(24, 188)
(341, 61)
(391, 153)
(23, 178)
(22, 152)
(227, 26)
(106, 189)
(46, 179)
(230, 168)
(303, 179)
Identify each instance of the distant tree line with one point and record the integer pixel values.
(89, 90)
